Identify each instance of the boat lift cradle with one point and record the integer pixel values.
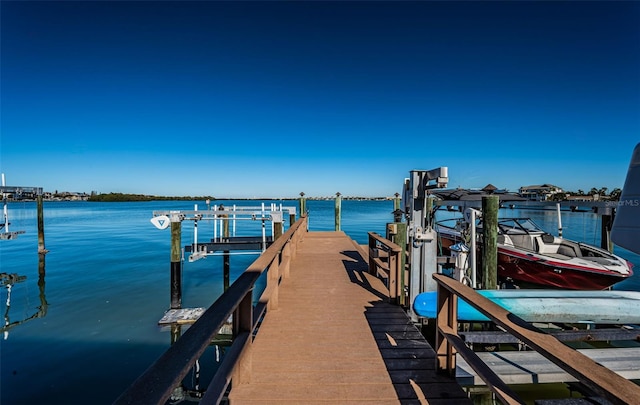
(5, 234)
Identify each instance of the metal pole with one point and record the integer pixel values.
(234, 221)
(264, 231)
(195, 231)
(215, 223)
(559, 221)
(5, 211)
(605, 233)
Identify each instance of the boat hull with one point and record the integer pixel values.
(532, 270)
(553, 274)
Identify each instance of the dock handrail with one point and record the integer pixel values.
(598, 378)
(156, 384)
(392, 267)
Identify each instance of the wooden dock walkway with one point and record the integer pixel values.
(335, 339)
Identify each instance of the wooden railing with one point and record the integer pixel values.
(156, 384)
(385, 256)
(598, 378)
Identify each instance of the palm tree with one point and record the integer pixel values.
(615, 194)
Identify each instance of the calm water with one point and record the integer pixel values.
(83, 332)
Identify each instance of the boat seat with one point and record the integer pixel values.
(568, 250)
(545, 248)
(522, 241)
(548, 238)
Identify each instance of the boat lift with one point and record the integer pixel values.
(225, 240)
(5, 233)
(421, 236)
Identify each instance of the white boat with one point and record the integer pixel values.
(528, 254)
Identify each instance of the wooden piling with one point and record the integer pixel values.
(396, 202)
(277, 230)
(40, 209)
(176, 264)
(41, 283)
(303, 204)
(429, 211)
(490, 242)
(226, 269)
(400, 239)
(225, 227)
(338, 208)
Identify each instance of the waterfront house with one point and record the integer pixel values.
(542, 192)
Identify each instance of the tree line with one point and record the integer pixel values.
(602, 192)
(124, 197)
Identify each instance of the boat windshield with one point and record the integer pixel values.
(517, 226)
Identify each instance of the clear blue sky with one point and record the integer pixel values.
(268, 99)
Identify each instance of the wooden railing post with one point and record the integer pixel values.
(286, 260)
(372, 249)
(393, 276)
(447, 318)
(243, 323)
(273, 278)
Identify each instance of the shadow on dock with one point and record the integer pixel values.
(356, 269)
(409, 358)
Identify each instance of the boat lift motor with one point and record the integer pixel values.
(459, 255)
(421, 237)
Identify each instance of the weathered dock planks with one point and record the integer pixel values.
(529, 367)
(335, 339)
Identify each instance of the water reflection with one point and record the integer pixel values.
(191, 389)
(9, 280)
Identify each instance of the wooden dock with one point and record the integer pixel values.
(529, 367)
(334, 338)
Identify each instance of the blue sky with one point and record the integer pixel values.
(268, 99)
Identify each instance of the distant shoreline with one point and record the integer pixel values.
(158, 198)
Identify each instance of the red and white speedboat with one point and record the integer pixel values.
(528, 254)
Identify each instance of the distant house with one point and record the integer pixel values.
(541, 192)
(489, 188)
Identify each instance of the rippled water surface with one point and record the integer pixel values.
(84, 326)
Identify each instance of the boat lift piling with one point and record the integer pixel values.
(176, 261)
(337, 211)
(222, 242)
(6, 234)
(490, 242)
